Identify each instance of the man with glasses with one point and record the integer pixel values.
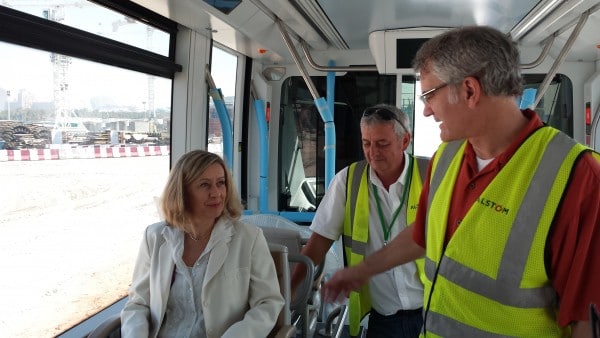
(508, 221)
(368, 203)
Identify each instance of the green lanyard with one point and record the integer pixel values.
(387, 229)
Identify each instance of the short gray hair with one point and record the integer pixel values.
(401, 121)
(479, 51)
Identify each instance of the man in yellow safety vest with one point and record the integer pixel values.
(509, 216)
(368, 203)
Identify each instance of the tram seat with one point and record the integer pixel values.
(283, 326)
(306, 304)
(110, 328)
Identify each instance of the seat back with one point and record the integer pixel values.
(283, 327)
(291, 240)
(278, 230)
(289, 237)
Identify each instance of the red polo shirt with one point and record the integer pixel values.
(573, 249)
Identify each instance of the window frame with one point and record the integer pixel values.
(27, 30)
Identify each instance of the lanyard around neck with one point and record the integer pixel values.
(388, 228)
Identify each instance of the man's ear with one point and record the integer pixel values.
(473, 90)
(405, 140)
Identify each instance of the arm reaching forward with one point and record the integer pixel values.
(402, 249)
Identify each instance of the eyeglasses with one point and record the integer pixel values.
(383, 114)
(429, 93)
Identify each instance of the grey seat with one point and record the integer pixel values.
(306, 304)
(283, 327)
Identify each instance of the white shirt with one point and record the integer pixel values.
(184, 316)
(398, 288)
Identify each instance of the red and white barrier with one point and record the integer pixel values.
(70, 152)
(29, 155)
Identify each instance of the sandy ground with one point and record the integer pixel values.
(70, 233)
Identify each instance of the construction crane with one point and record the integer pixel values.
(151, 108)
(149, 31)
(65, 117)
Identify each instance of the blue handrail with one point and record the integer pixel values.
(223, 114)
(263, 135)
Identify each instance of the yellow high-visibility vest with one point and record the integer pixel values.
(490, 279)
(356, 228)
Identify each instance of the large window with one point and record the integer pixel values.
(302, 137)
(84, 153)
(426, 131)
(102, 21)
(223, 73)
(556, 105)
(555, 109)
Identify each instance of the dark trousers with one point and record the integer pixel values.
(404, 324)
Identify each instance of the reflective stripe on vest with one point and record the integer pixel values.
(356, 229)
(491, 279)
(355, 237)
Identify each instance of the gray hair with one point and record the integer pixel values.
(400, 121)
(479, 51)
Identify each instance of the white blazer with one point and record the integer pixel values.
(240, 293)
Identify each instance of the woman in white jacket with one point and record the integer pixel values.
(202, 272)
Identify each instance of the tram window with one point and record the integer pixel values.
(302, 137)
(105, 22)
(426, 131)
(556, 106)
(555, 109)
(223, 72)
(85, 151)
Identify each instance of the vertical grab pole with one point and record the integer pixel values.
(261, 118)
(320, 102)
(330, 136)
(217, 97)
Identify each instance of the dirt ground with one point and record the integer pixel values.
(70, 234)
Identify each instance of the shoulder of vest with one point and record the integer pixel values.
(354, 168)
(584, 149)
(421, 163)
(361, 164)
(358, 166)
(553, 132)
(447, 150)
(421, 159)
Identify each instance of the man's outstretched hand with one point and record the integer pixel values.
(338, 287)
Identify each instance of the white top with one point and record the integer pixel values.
(240, 294)
(184, 316)
(395, 289)
(481, 163)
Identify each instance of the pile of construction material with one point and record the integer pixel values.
(18, 135)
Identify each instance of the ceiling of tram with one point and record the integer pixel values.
(355, 19)
(328, 25)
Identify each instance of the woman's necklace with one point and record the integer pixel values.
(199, 238)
